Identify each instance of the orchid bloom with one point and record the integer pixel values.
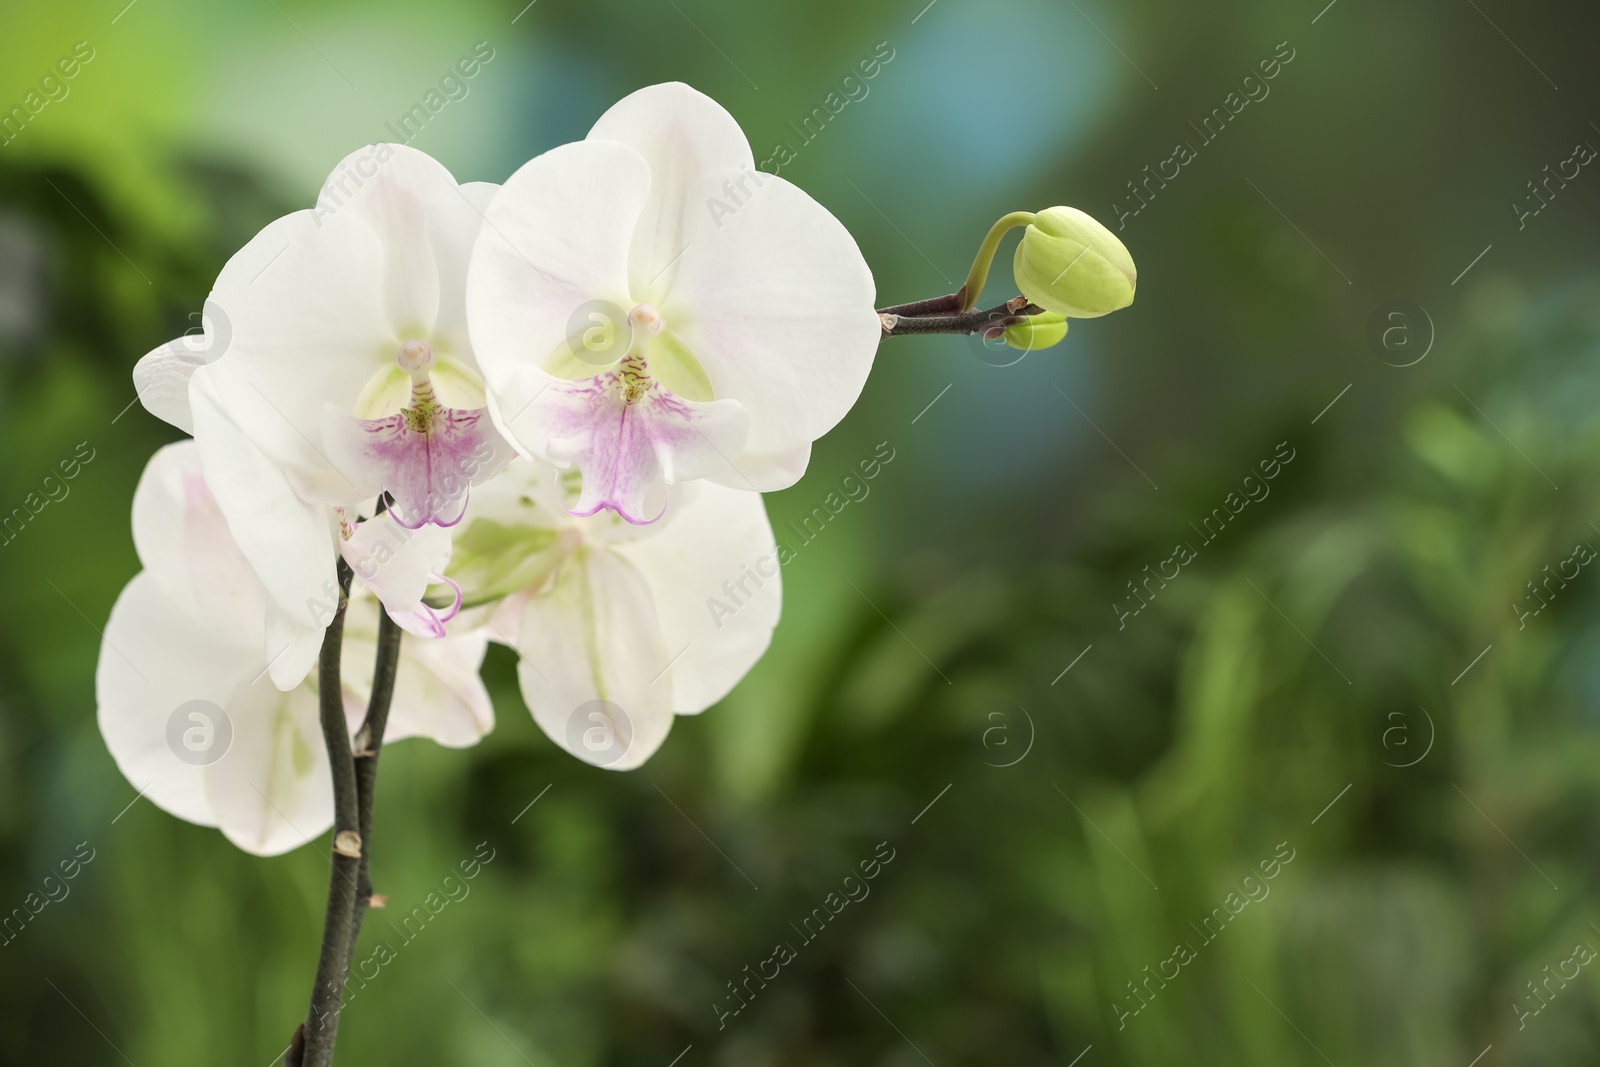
(184, 702)
(620, 627)
(335, 366)
(645, 304)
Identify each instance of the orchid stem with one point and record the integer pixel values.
(989, 322)
(973, 288)
(370, 746)
(313, 1042)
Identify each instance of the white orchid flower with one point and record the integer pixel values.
(645, 304)
(335, 365)
(620, 627)
(184, 702)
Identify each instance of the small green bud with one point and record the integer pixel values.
(1070, 264)
(1037, 331)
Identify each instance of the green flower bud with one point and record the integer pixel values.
(1070, 264)
(1037, 331)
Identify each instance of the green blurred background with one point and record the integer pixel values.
(1297, 690)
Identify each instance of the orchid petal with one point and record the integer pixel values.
(288, 542)
(426, 459)
(306, 302)
(320, 302)
(590, 653)
(272, 790)
(782, 313)
(765, 472)
(184, 542)
(390, 187)
(682, 134)
(626, 436)
(161, 380)
(394, 561)
(154, 658)
(455, 219)
(292, 647)
(714, 579)
(556, 238)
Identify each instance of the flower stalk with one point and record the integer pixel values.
(972, 289)
(355, 779)
(313, 1042)
(991, 322)
(369, 745)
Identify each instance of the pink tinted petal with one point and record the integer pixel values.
(454, 609)
(624, 448)
(396, 564)
(425, 621)
(425, 463)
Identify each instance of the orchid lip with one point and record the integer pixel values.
(425, 455)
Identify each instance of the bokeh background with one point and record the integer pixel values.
(1306, 687)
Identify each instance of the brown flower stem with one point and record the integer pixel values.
(313, 1041)
(898, 323)
(369, 745)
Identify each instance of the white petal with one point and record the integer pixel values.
(291, 648)
(161, 379)
(714, 579)
(556, 238)
(765, 472)
(288, 542)
(590, 651)
(273, 790)
(154, 658)
(390, 187)
(305, 302)
(777, 305)
(455, 219)
(683, 135)
(184, 542)
(395, 563)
